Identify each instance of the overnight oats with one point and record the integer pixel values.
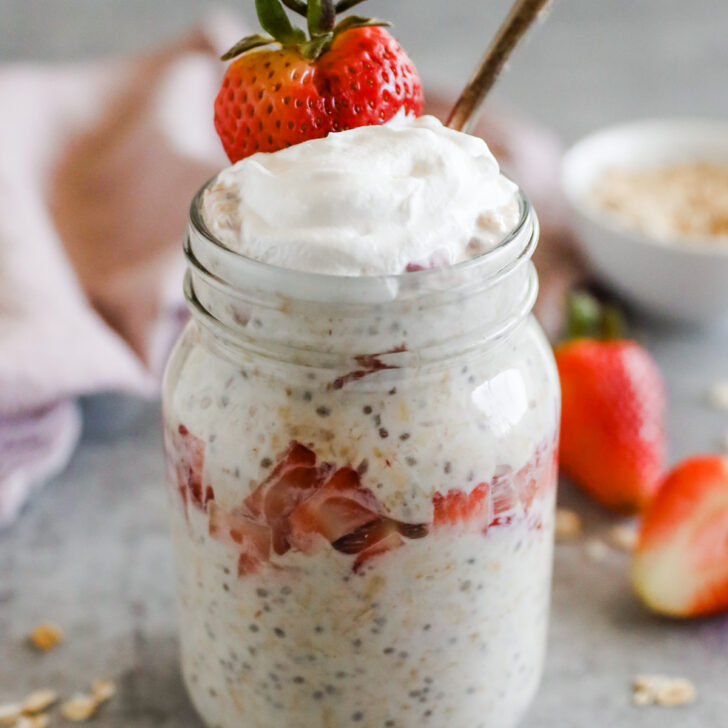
(361, 422)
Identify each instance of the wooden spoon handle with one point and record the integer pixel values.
(520, 18)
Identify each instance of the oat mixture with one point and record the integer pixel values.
(683, 203)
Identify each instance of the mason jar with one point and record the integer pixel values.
(362, 475)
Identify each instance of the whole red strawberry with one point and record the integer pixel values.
(612, 422)
(346, 74)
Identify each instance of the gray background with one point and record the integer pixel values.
(92, 551)
(597, 61)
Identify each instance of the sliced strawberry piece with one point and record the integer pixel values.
(389, 543)
(234, 527)
(505, 497)
(538, 476)
(680, 565)
(338, 508)
(294, 479)
(456, 506)
(303, 502)
(189, 458)
(365, 536)
(291, 467)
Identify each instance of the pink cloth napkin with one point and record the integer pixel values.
(98, 164)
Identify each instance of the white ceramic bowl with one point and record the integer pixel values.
(686, 282)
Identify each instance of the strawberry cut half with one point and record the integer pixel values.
(680, 565)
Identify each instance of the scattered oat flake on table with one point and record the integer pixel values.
(45, 636)
(103, 690)
(39, 701)
(9, 713)
(662, 690)
(42, 720)
(568, 525)
(624, 536)
(718, 394)
(79, 708)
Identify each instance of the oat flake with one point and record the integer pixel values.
(45, 636)
(79, 708)
(39, 701)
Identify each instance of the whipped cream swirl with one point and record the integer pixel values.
(373, 200)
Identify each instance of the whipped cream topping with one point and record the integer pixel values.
(374, 200)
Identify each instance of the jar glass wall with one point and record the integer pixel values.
(362, 475)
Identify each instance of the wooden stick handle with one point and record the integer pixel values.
(520, 18)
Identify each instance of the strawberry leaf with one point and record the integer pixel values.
(343, 5)
(273, 18)
(298, 6)
(356, 21)
(246, 44)
(321, 17)
(588, 318)
(316, 47)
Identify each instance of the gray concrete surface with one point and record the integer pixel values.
(92, 552)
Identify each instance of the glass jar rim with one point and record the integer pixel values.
(486, 267)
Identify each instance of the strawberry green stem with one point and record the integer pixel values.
(298, 6)
(343, 5)
(321, 17)
(588, 318)
(321, 20)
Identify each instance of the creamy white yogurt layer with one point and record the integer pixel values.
(367, 201)
(447, 631)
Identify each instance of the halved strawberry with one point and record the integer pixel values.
(680, 565)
